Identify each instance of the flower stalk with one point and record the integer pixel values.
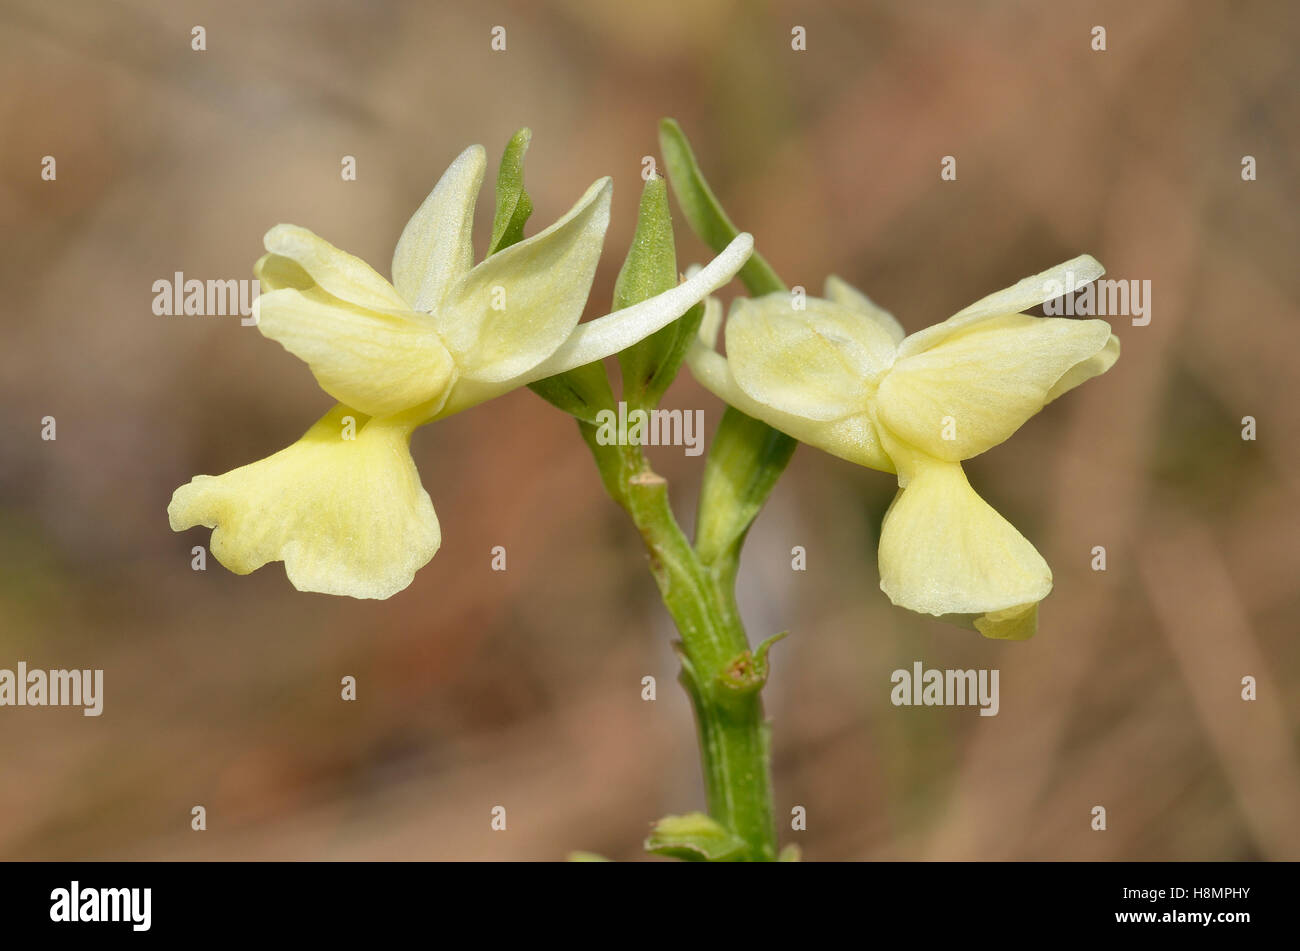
(733, 733)
(722, 675)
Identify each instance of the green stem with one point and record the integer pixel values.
(721, 675)
(718, 668)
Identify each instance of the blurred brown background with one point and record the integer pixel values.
(481, 688)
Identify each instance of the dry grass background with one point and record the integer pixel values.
(522, 688)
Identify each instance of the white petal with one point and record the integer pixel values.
(1022, 296)
(711, 323)
(846, 295)
(1095, 365)
(516, 308)
(380, 363)
(851, 437)
(435, 249)
(976, 387)
(338, 273)
(605, 336)
(274, 273)
(818, 363)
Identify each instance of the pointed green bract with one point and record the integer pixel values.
(735, 739)
(651, 268)
(582, 392)
(513, 204)
(703, 211)
(651, 263)
(747, 456)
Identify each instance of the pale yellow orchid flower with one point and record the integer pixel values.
(343, 507)
(840, 375)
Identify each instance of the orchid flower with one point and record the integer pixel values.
(343, 507)
(840, 375)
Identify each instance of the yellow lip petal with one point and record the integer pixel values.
(975, 388)
(945, 551)
(380, 363)
(435, 248)
(819, 363)
(347, 516)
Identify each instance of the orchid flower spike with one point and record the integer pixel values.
(343, 506)
(840, 375)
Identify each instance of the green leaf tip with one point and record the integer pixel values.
(694, 837)
(513, 204)
(649, 269)
(704, 212)
(582, 392)
(651, 264)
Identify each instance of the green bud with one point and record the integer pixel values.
(651, 268)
